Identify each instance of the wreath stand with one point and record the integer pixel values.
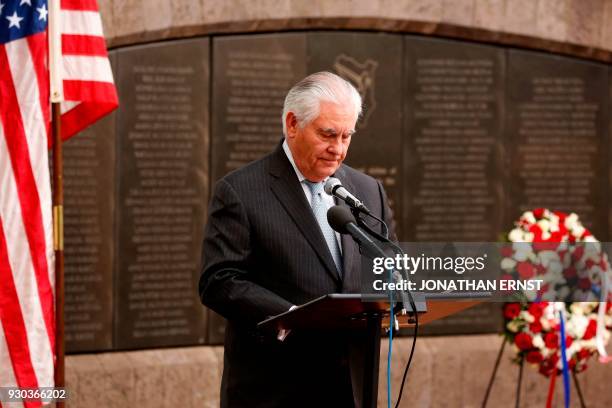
(520, 381)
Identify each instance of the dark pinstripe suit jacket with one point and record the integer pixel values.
(263, 252)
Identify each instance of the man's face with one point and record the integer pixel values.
(320, 147)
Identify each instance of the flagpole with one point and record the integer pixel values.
(57, 96)
(58, 238)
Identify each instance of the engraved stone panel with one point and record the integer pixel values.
(452, 113)
(89, 211)
(371, 63)
(558, 136)
(163, 176)
(252, 75)
(453, 187)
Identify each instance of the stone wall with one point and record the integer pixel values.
(574, 27)
(449, 371)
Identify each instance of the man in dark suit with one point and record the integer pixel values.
(267, 247)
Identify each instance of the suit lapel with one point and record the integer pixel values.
(287, 189)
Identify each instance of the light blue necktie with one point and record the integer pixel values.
(319, 210)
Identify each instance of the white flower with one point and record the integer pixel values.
(555, 269)
(528, 236)
(516, 235)
(508, 264)
(529, 217)
(577, 231)
(526, 316)
(521, 251)
(537, 341)
(544, 226)
(571, 221)
(547, 256)
(513, 326)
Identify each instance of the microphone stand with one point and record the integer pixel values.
(406, 296)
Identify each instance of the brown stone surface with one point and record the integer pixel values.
(536, 24)
(520, 17)
(107, 14)
(585, 19)
(424, 10)
(489, 14)
(449, 371)
(551, 22)
(188, 13)
(128, 19)
(605, 38)
(158, 15)
(460, 12)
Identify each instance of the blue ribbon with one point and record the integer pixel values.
(566, 379)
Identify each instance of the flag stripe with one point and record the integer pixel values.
(13, 324)
(81, 23)
(7, 376)
(27, 303)
(73, 44)
(29, 201)
(35, 128)
(91, 5)
(82, 115)
(38, 51)
(91, 91)
(86, 68)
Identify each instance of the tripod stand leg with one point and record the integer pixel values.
(493, 374)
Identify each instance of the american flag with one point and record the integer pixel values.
(27, 339)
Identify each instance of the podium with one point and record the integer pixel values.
(344, 311)
(354, 311)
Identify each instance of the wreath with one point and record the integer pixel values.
(557, 248)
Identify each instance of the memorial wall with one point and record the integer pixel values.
(463, 136)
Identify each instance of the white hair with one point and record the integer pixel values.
(305, 98)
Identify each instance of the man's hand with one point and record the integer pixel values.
(282, 333)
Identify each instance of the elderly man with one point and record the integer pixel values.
(268, 246)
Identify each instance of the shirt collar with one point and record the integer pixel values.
(298, 173)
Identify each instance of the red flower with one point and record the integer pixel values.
(547, 246)
(578, 253)
(584, 283)
(568, 341)
(570, 272)
(506, 251)
(538, 213)
(536, 309)
(589, 263)
(551, 340)
(535, 327)
(603, 264)
(534, 357)
(523, 341)
(591, 330)
(525, 270)
(540, 269)
(583, 354)
(511, 310)
(548, 367)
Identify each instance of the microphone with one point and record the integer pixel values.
(342, 221)
(334, 187)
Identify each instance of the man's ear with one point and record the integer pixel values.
(291, 124)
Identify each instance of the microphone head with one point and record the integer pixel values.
(331, 184)
(339, 217)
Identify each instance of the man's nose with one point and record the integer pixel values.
(335, 146)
